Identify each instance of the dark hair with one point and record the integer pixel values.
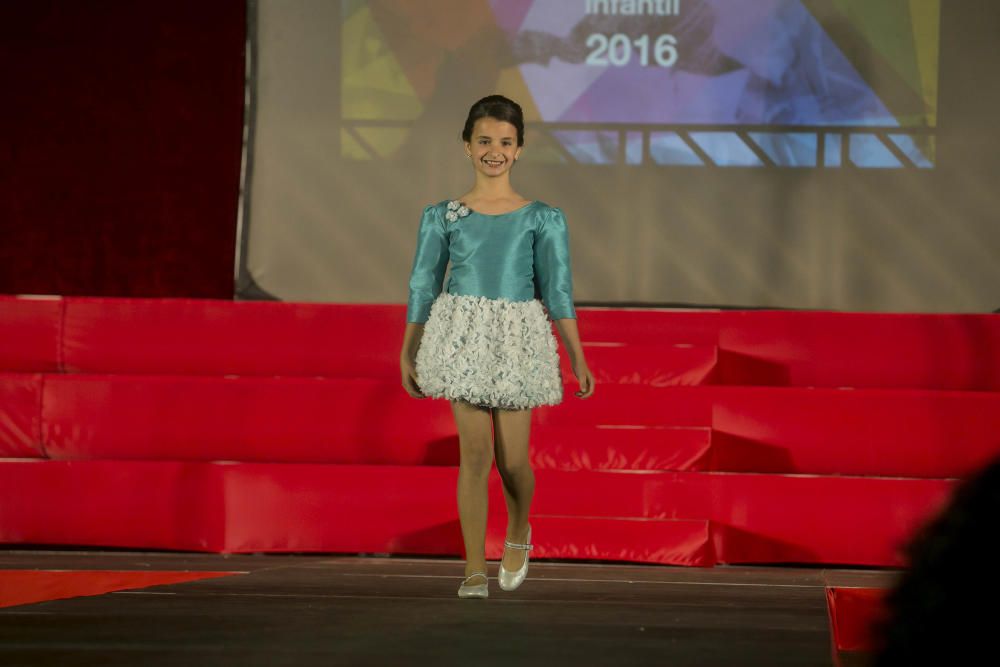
(934, 611)
(498, 107)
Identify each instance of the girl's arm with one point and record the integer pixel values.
(555, 280)
(571, 342)
(571, 338)
(407, 358)
(411, 341)
(429, 263)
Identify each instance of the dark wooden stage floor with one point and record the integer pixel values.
(330, 610)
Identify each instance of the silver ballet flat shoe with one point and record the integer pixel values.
(511, 580)
(474, 590)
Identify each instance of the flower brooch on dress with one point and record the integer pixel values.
(456, 210)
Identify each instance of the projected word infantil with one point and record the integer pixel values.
(634, 7)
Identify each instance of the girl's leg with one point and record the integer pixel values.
(513, 429)
(475, 439)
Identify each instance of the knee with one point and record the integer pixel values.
(476, 458)
(515, 467)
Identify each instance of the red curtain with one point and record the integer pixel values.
(119, 164)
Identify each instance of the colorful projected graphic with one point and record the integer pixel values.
(788, 83)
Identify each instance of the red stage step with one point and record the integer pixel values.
(653, 364)
(321, 420)
(854, 615)
(772, 348)
(247, 507)
(821, 348)
(713, 436)
(661, 541)
(620, 447)
(31, 334)
(21, 415)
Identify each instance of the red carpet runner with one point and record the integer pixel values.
(29, 586)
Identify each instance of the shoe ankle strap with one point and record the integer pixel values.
(515, 545)
(476, 574)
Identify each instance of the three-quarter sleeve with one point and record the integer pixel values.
(429, 263)
(553, 273)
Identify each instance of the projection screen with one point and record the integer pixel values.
(711, 153)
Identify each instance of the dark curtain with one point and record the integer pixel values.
(120, 138)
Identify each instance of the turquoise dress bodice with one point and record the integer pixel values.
(519, 255)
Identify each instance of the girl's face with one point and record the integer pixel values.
(494, 146)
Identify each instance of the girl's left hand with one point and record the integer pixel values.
(585, 378)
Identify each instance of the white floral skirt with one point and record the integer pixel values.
(489, 352)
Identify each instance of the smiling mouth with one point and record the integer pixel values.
(493, 163)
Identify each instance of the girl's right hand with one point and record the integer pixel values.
(408, 370)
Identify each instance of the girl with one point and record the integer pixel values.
(485, 342)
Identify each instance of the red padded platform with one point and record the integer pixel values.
(822, 349)
(620, 447)
(818, 519)
(902, 433)
(398, 509)
(653, 364)
(781, 430)
(210, 337)
(220, 426)
(139, 504)
(773, 348)
(661, 541)
(30, 330)
(243, 419)
(20, 416)
(854, 614)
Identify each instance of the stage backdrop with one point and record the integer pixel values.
(786, 153)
